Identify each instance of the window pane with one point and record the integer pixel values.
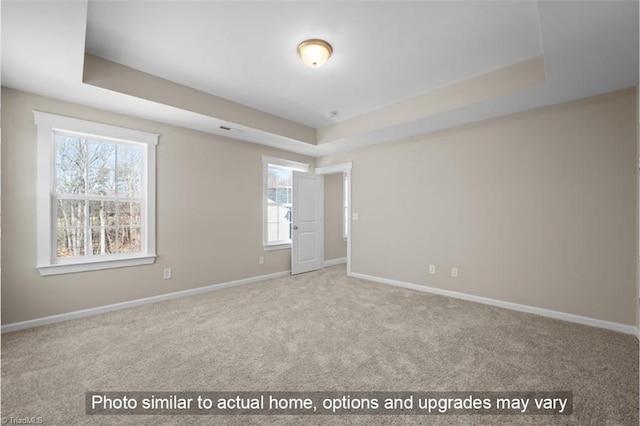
(102, 213)
(102, 181)
(135, 213)
(124, 213)
(284, 214)
(278, 177)
(129, 173)
(70, 242)
(284, 228)
(272, 232)
(98, 213)
(101, 167)
(128, 239)
(284, 176)
(272, 194)
(283, 195)
(70, 213)
(135, 241)
(70, 163)
(279, 195)
(272, 212)
(70, 222)
(103, 240)
(128, 213)
(273, 174)
(278, 222)
(284, 232)
(112, 240)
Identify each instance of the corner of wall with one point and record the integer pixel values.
(638, 210)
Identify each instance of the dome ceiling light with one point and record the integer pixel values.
(314, 52)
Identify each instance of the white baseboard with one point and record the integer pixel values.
(132, 303)
(623, 328)
(334, 262)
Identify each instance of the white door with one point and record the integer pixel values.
(307, 240)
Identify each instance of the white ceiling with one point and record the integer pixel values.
(384, 53)
(246, 52)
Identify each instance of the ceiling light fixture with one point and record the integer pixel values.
(314, 52)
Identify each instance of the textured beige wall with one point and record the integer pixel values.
(209, 216)
(334, 245)
(537, 208)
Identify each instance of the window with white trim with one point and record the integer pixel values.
(96, 195)
(278, 188)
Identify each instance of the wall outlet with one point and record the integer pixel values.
(354, 216)
(166, 273)
(454, 272)
(261, 260)
(432, 269)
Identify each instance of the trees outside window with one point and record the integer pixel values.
(96, 195)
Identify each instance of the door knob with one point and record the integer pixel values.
(295, 227)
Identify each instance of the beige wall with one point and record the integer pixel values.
(335, 247)
(209, 215)
(537, 208)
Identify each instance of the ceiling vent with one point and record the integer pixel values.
(230, 129)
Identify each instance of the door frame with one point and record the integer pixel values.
(342, 168)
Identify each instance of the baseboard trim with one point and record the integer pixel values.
(627, 329)
(334, 262)
(16, 326)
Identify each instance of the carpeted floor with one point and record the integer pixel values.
(319, 331)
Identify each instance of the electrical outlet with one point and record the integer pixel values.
(432, 269)
(167, 273)
(261, 260)
(354, 216)
(454, 272)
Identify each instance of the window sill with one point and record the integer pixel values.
(84, 266)
(277, 247)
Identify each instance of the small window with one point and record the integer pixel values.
(96, 204)
(278, 200)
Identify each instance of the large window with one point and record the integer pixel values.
(278, 188)
(96, 203)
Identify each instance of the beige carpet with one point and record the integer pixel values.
(318, 331)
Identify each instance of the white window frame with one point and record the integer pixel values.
(266, 161)
(47, 262)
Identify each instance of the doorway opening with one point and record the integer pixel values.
(337, 211)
